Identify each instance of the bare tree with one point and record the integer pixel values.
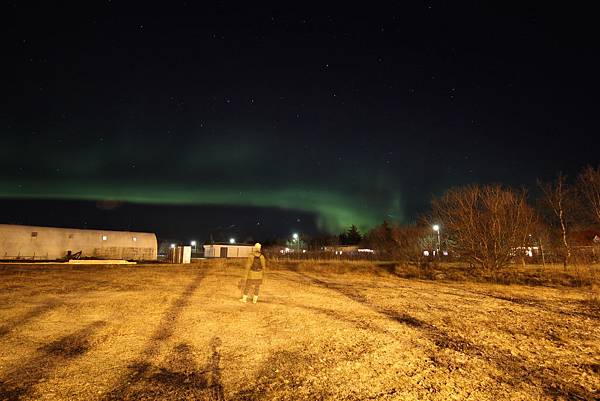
(381, 239)
(409, 240)
(488, 225)
(588, 186)
(396, 242)
(557, 196)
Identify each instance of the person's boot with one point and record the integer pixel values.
(255, 299)
(244, 298)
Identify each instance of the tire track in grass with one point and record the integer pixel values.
(516, 370)
(527, 302)
(21, 380)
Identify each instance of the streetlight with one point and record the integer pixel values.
(172, 246)
(436, 228)
(232, 240)
(296, 238)
(193, 243)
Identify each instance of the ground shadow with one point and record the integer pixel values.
(291, 375)
(21, 380)
(283, 371)
(167, 325)
(178, 378)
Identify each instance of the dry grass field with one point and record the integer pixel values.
(320, 331)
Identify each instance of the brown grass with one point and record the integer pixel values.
(321, 330)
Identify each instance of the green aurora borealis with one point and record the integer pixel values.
(334, 211)
(339, 187)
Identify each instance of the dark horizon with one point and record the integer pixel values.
(187, 119)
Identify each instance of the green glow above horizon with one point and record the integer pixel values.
(335, 211)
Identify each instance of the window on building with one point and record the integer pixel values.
(134, 239)
(70, 236)
(34, 234)
(104, 237)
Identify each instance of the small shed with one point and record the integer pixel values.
(180, 254)
(228, 250)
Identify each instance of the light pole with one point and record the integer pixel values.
(172, 253)
(436, 228)
(296, 238)
(232, 240)
(193, 244)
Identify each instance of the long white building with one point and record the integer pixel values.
(50, 243)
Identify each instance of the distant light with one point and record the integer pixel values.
(172, 245)
(425, 253)
(193, 243)
(436, 227)
(232, 240)
(304, 251)
(295, 236)
(104, 238)
(287, 250)
(134, 239)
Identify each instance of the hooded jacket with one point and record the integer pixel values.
(255, 266)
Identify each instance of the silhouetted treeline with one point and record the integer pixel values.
(491, 226)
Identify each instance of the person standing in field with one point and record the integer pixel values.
(255, 268)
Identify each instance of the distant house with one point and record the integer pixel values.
(227, 250)
(585, 238)
(585, 243)
(342, 249)
(52, 243)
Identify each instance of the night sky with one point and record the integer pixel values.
(193, 119)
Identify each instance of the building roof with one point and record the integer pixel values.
(228, 244)
(70, 229)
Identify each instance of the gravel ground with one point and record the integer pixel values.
(169, 332)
